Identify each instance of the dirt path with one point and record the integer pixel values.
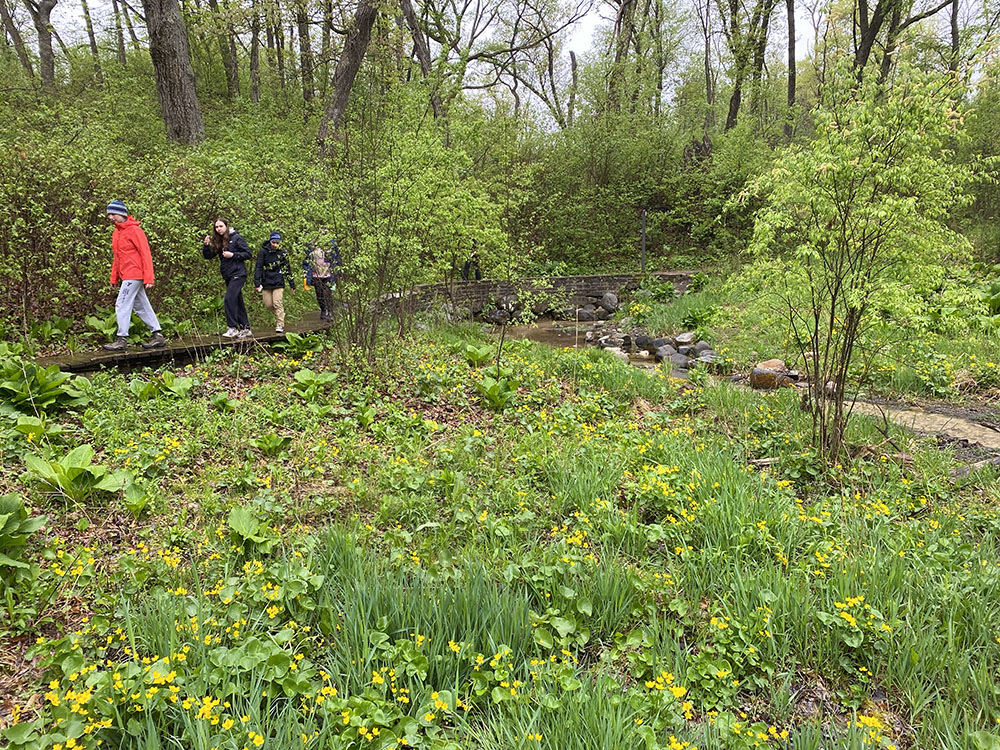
(921, 420)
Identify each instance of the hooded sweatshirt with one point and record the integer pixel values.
(132, 259)
(231, 268)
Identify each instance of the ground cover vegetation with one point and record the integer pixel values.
(269, 550)
(375, 539)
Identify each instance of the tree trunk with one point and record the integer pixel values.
(355, 46)
(93, 42)
(734, 105)
(790, 7)
(324, 51)
(15, 38)
(227, 51)
(623, 31)
(279, 49)
(168, 46)
(305, 53)
(131, 29)
(571, 105)
(119, 33)
(254, 55)
(955, 39)
(41, 17)
(423, 53)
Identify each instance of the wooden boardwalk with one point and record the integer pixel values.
(182, 350)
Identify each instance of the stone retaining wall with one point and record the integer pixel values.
(550, 292)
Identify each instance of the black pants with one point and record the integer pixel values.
(323, 295)
(236, 311)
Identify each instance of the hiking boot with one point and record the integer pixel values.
(230, 333)
(156, 341)
(119, 344)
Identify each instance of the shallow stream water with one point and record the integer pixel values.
(913, 418)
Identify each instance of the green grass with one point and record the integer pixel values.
(600, 564)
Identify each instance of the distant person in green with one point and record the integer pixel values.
(132, 263)
(270, 273)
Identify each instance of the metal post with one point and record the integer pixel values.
(642, 264)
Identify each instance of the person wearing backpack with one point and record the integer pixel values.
(132, 263)
(270, 273)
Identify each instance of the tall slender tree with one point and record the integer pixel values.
(15, 38)
(355, 47)
(119, 33)
(98, 74)
(305, 52)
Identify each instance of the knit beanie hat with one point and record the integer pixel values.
(117, 207)
(275, 237)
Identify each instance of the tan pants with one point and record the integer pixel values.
(273, 302)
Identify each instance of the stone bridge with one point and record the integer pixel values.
(558, 294)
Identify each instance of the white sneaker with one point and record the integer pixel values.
(230, 333)
(279, 329)
(246, 333)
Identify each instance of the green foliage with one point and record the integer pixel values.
(26, 388)
(309, 384)
(250, 533)
(296, 345)
(853, 216)
(16, 525)
(497, 391)
(477, 356)
(271, 444)
(75, 476)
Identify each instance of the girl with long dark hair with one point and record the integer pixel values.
(233, 252)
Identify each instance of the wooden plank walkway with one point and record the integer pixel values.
(179, 350)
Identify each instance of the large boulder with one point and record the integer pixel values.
(702, 346)
(618, 353)
(496, 316)
(661, 341)
(643, 341)
(610, 302)
(678, 361)
(684, 339)
(585, 315)
(664, 352)
(776, 365)
(765, 379)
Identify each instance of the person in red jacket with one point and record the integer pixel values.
(133, 265)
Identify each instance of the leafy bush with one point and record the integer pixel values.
(27, 388)
(498, 391)
(75, 476)
(16, 525)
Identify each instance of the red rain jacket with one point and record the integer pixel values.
(132, 259)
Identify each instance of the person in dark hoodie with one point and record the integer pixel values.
(132, 263)
(233, 252)
(270, 273)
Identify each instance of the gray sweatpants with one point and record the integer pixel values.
(132, 297)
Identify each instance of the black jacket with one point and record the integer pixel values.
(272, 268)
(231, 268)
